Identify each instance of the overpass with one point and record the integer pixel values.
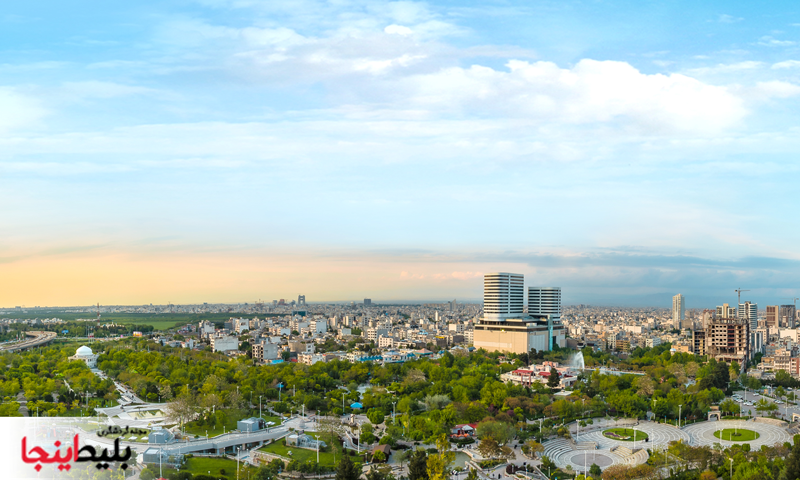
(39, 339)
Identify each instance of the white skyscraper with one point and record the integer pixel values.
(544, 301)
(503, 295)
(678, 311)
(748, 311)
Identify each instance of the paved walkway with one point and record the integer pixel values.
(657, 433)
(703, 433)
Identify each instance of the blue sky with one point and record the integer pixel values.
(237, 149)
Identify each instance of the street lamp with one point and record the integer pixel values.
(731, 468)
(317, 448)
(679, 415)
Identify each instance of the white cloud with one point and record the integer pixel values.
(774, 89)
(18, 110)
(769, 41)
(590, 92)
(98, 89)
(726, 68)
(397, 30)
(786, 64)
(725, 18)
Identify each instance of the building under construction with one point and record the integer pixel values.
(724, 339)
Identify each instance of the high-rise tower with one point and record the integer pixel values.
(544, 301)
(748, 311)
(678, 311)
(503, 295)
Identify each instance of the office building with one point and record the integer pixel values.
(367, 302)
(504, 327)
(301, 300)
(678, 311)
(502, 296)
(544, 301)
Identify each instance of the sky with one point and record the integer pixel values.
(234, 150)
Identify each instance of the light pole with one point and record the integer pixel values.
(731, 469)
(259, 406)
(679, 415)
(317, 448)
(393, 412)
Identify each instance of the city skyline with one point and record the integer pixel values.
(218, 150)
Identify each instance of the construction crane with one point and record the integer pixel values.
(739, 291)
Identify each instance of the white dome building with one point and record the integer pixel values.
(85, 354)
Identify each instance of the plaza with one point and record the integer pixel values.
(592, 446)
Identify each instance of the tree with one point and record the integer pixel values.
(346, 470)
(554, 379)
(148, 474)
(501, 432)
(472, 474)
(375, 416)
(708, 475)
(418, 466)
(595, 470)
(532, 447)
(181, 409)
(792, 469)
(730, 406)
(489, 448)
(439, 463)
(763, 405)
(379, 457)
(645, 385)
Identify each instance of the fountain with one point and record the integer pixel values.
(577, 362)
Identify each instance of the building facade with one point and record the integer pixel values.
(678, 311)
(503, 296)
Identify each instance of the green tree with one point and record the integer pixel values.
(554, 378)
(595, 470)
(418, 466)
(346, 470)
(439, 463)
(791, 469)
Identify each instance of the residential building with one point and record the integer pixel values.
(773, 316)
(224, 343)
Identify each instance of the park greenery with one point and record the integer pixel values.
(416, 403)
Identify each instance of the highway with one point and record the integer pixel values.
(39, 339)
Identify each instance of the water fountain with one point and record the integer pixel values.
(577, 362)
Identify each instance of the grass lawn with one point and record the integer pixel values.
(624, 434)
(300, 454)
(200, 430)
(203, 465)
(736, 434)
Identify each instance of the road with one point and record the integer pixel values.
(783, 408)
(39, 338)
